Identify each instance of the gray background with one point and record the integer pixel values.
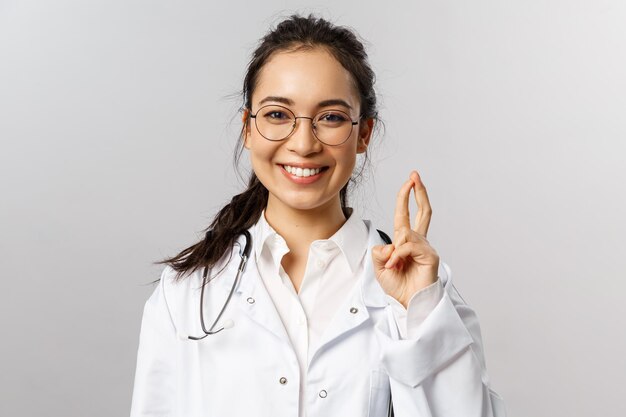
(118, 118)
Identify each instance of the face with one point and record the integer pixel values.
(304, 79)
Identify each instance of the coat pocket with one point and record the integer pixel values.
(380, 392)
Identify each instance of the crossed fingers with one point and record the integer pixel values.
(407, 241)
(401, 217)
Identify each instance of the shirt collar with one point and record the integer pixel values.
(261, 232)
(351, 239)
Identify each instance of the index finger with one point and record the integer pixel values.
(401, 215)
(424, 212)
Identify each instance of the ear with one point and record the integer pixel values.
(365, 133)
(245, 119)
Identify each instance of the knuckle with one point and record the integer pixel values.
(414, 245)
(401, 233)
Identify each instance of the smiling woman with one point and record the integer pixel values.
(314, 312)
(309, 81)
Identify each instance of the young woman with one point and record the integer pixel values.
(292, 305)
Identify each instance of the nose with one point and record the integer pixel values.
(302, 140)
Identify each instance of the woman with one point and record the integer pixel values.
(326, 319)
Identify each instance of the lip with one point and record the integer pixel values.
(302, 165)
(302, 180)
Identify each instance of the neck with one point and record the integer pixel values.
(301, 227)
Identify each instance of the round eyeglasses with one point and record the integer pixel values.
(331, 127)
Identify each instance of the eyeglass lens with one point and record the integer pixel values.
(332, 127)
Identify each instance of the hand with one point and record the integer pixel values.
(409, 264)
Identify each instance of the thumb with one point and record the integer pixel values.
(381, 254)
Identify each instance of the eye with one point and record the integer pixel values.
(276, 114)
(331, 117)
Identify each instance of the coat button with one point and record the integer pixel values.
(321, 264)
(323, 393)
(282, 380)
(354, 310)
(250, 300)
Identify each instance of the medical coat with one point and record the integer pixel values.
(251, 369)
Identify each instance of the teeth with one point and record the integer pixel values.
(302, 172)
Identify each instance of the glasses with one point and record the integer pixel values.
(331, 127)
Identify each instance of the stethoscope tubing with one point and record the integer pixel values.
(242, 266)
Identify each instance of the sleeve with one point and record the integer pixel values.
(154, 390)
(440, 369)
(420, 305)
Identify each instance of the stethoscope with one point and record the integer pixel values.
(242, 265)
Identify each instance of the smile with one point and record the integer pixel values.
(303, 172)
(302, 176)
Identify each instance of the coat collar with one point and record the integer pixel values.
(372, 293)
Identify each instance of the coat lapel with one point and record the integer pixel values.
(366, 294)
(252, 298)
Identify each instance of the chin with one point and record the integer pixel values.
(301, 202)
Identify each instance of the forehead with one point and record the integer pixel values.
(306, 78)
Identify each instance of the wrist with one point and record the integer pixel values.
(423, 286)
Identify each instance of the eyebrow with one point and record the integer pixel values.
(323, 103)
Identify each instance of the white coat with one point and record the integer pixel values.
(251, 368)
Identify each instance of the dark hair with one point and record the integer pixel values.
(244, 210)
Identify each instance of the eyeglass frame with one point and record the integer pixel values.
(295, 119)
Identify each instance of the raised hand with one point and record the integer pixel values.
(409, 263)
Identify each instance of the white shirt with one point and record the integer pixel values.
(332, 269)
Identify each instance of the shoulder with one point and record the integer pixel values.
(178, 293)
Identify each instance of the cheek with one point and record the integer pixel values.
(348, 163)
(346, 160)
(261, 157)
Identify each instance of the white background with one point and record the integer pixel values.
(117, 125)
